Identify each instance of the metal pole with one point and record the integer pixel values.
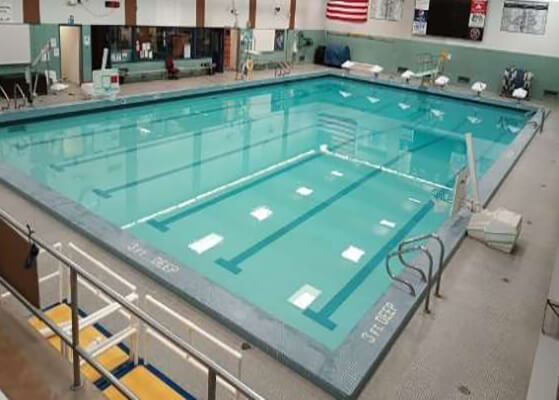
(212, 384)
(75, 329)
(429, 278)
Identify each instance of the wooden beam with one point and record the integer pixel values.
(292, 11)
(252, 14)
(31, 12)
(130, 12)
(200, 13)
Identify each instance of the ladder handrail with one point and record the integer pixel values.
(17, 88)
(6, 97)
(429, 277)
(428, 236)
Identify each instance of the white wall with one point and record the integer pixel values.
(493, 38)
(17, 12)
(218, 13)
(311, 14)
(90, 12)
(166, 12)
(267, 18)
(16, 49)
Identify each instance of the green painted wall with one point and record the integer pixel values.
(475, 63)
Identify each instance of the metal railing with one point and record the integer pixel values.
(73, 341)
(428, 278)
(19, 91)
(5, 96)
(405, 247)
(429, 236)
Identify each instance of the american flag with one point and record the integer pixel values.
(347, 10)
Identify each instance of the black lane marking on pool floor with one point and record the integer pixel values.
(197, 113)
(106, 193)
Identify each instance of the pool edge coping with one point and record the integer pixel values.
(331, 364)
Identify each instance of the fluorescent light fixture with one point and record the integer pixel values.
(337, 173)
(304, 191)
(388, 224)
(353, 254)
(206, 243)
(304, 297)
(261, 213)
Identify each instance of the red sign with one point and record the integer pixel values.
(478, 7)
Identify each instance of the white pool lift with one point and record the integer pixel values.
(498, 229)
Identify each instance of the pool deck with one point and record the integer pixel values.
(481, 336)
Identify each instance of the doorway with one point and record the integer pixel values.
(70, 53)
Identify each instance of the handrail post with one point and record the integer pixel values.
(212, 384)
(429, 278)
(75, 329)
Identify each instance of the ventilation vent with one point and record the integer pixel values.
(550, 93)
(402, 69)
(463, 79)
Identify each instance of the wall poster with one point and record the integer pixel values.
(389, 10)
(6, 11)
(420, 15)
(524, 16)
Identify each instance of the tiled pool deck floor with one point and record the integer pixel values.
(480, 339)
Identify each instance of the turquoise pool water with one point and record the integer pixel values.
(289, 196)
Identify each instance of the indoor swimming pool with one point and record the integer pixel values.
(271, 207)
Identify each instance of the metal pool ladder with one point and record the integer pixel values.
(409, 246)
(19, 90)
(5, 95)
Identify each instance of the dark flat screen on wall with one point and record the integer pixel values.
(451, 18)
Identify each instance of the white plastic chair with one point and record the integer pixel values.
(479, 87)
(442, 81)
(53, 83)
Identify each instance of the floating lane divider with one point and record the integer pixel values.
(163, 226)
(218, 190)
(324, 149)
(233, 264)
(106, 193)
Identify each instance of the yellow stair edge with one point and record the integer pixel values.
(110, 359)
(145, 385)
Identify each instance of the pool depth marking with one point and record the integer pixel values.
(106, 193)
(233, 264)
